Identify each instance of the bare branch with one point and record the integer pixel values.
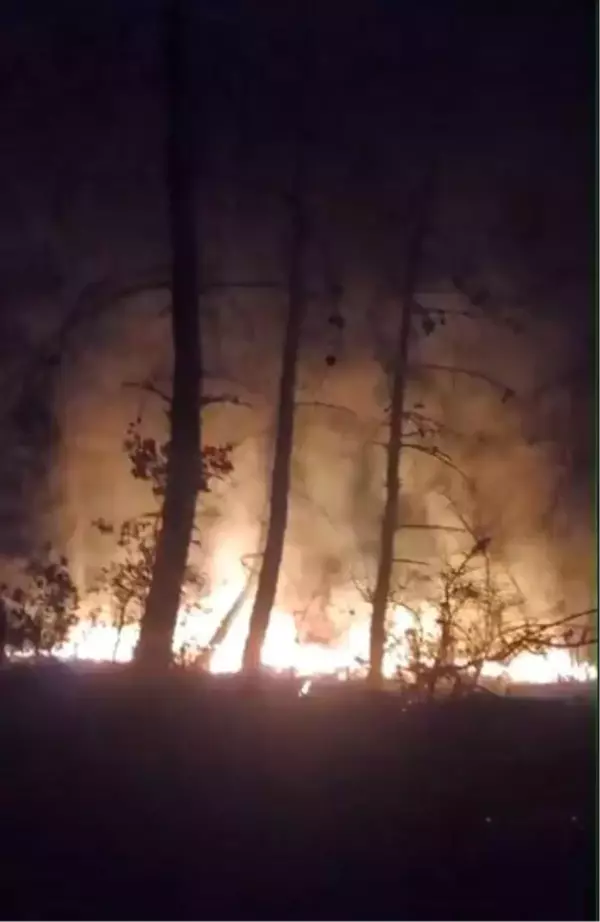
(425, 527)
(583, 641)
(409, 560)
(566, 619)
(507, 392)
(426, 425)
(433, 452)
(94, 300)
(436, 424)
(224, 398)
(422, 418)
(468, 527)
(149, 388)
(550, 625)
(321, 405)
(444, 311)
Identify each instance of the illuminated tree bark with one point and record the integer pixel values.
(389, 522)
(284, 438)
(183, 464)
(3, 631)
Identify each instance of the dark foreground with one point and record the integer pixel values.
(121, 800)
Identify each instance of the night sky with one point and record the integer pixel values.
(501, 101)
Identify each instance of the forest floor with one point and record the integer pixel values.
(185, 799)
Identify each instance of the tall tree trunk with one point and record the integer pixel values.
(284, 438)
(3, 631)
(389, 522)
(183, 467)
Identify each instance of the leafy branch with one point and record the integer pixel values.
(472, 628)
(37, 614)
(126, 579)
(148, 459)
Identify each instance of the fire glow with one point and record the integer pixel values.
(283, 652)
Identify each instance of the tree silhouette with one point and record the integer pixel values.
(183, 461)
(38, 613)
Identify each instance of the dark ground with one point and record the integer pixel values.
(123, 801)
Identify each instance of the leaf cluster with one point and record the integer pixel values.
(476, 625)
(149, 459)
(38, 614)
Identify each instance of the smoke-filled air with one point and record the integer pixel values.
(494, 455)
(298, 482)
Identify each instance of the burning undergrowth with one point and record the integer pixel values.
(470, 471)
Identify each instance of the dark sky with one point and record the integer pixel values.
(509, 92)
(504, 98)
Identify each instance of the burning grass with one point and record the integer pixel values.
(283, 652)
(465, 629)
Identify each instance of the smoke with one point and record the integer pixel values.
(514, 451)
(95, 205)
(502, 482)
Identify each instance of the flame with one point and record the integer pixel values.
(100, 640)
(282, 650)
(552, 666)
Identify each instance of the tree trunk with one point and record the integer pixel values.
(120, 625)
(154, 649)
(389, 522)
(225, 624)
(228, 620)
(3, 631)
(284, 438)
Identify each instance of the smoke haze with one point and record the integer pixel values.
(511, 217)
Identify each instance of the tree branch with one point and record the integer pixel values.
(149, 388)
(93, 300)
(208, 400)
(507, 392)
(446, 312)
(433, 452)
(231, 399)
(321, 405)
(426, 527)
(409, 560)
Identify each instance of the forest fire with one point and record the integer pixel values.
(284, 652)
(460, 630)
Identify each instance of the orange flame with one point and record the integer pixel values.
(282, 650)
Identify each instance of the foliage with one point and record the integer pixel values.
(478, 622)
(149, 458)
(126, 579)
(38, 613)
